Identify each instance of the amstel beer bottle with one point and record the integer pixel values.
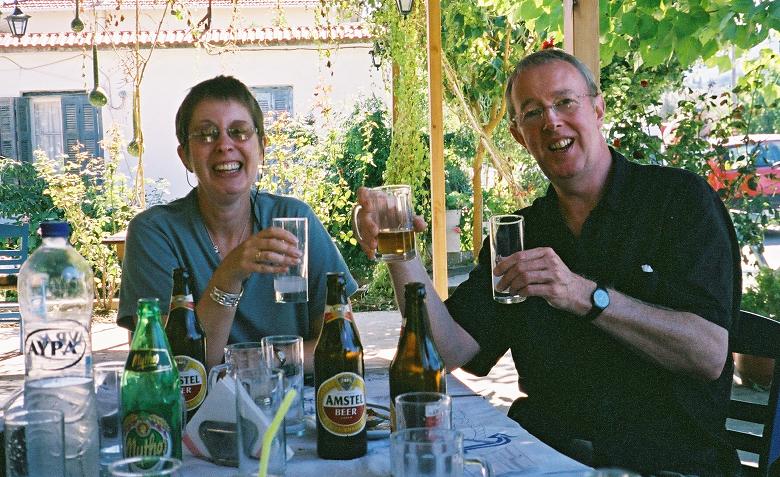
(188, 343)
(417, 365)
(151, 396)
(338, 379)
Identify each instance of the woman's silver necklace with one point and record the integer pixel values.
(214, 243)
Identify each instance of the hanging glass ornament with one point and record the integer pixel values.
(77, 25)
(97, 97)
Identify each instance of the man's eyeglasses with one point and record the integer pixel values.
(566, 106)
(210, 134)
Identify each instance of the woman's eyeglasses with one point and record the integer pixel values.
(211, 134)
(565, 106)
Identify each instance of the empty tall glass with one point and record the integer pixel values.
(34, 443)
(506, 238)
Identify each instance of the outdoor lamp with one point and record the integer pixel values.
(404, 6)
(17, 21)
(376, 56)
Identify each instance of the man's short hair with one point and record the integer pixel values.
(222, 88)
(544, 57)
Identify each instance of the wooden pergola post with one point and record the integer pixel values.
(437, 149)
(581, 32)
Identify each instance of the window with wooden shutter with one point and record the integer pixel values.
(81, 124)
(15, 129)
(273, 101)
(53, 122)
(7, 128)
(46, 131)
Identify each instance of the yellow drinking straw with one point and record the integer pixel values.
(265, 454)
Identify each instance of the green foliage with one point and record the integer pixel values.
(22, 198)
(759, 87)
(378, 294)
(93, 198)
(366, 144)
(652, 33)
(763, 296)
(317, 170)
(458, 184)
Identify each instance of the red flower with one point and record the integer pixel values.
(548, 43)
(644, 83)
(616, 142)
(456, 229)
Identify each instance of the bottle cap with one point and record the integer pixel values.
(55, 229)
(415, 288)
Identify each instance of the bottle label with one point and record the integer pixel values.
(334, 312)
(341, 404)
(182, 301)
(192, 377)
(146, 360)
(56, 348)
(146, 434)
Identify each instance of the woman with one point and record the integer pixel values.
(220, 232)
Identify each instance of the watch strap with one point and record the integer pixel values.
(596, 310)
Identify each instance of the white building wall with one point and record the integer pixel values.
(170, 74)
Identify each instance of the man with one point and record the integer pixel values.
(633, 281)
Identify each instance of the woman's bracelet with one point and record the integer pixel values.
(224, 298)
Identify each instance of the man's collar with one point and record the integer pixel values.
(613, 189)
(616, 180)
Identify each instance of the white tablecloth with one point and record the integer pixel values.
(488, 433)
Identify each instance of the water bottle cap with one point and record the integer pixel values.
(55, 229)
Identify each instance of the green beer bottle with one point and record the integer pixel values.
(151, 394)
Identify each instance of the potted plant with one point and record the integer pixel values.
(454, 203)
(763, 298)
(457, 196)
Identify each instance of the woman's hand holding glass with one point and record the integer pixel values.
(271, 250)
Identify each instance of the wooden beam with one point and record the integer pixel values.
(581, 32)
(437, 149)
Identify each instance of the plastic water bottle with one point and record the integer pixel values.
(55, 297)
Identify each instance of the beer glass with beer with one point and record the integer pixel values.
(393, 213)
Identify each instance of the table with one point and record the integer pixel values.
(488, 433)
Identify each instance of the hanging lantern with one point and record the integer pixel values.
(17, 21)
(376, 55)
(404, 6)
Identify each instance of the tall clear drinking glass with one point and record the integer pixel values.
(292, 286)
(506, 238)
(285, 352)
(34, 443)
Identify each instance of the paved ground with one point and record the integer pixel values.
(378, 332)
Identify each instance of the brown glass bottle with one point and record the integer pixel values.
(417, 365)
(188, 343)
(338, 379)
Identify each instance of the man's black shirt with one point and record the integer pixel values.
(660, 235)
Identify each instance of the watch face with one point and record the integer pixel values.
(601, 298)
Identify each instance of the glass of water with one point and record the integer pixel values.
(292, 286)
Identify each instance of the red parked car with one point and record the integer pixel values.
(761, 151)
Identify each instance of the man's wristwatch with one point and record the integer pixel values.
(600, 300)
